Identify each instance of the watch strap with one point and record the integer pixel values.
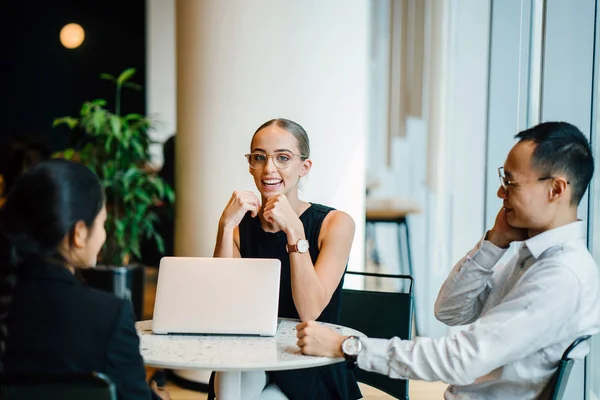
(351, 361)
(292, 248)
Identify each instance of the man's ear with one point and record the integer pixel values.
(558, 188)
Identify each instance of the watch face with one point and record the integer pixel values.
(351, 346)
(302, 246)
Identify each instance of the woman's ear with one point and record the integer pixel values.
(80, 235)
(306, 166)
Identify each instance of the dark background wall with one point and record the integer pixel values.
(41, 80)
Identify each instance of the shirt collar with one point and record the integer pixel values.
(543, 241)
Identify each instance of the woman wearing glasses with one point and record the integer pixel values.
(312, 242)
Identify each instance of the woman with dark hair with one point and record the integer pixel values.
(311, 240)
(53, 221)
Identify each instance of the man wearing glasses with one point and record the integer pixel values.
(523, 314)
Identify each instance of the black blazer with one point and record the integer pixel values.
(58, 325)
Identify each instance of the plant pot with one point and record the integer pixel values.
(125, 282)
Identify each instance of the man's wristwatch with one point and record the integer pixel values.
(301, 246)
(351, 347)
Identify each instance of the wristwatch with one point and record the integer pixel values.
(351, 347)
(301, 246)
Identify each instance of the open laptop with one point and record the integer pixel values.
(235, 296)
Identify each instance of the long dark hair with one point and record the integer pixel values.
(42, 209)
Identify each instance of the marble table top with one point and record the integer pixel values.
(230, 353)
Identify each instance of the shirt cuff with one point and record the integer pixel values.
(373, 356)
(486, 254)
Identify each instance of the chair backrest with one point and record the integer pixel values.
(565, 365)
(379, 315)
(93, 386)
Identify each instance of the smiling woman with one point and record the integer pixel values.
(312, 241)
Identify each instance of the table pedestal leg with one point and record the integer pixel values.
(228, 385)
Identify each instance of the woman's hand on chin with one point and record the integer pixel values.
(239, 204)
(278, 211)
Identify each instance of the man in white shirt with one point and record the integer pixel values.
(524, 314)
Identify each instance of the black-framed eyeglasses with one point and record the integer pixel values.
(281, 160)
(506, 183)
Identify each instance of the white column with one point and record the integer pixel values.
(241, 63)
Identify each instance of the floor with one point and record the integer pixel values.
(418, 390)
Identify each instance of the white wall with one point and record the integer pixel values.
(466, 127)
(507, 108)
(453, 217)
(161, 97)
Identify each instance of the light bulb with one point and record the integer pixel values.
(72, 35)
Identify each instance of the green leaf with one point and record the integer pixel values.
(85, 109)
(125, 75)
(136, 251)
(115, 125)
(105, 172)
(149, 228)
(140, 194)
(70, 121)
(133, 117)
(138, 148)
(98, 102)
(108, 143)
(108, 77)
(130, 173)
(132, 85)
(170, 193)
(120, 227)
(98, 120)
(159, 185)
(141, 214)
(159, 243)
(68, 154)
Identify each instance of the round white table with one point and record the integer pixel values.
(228, 356)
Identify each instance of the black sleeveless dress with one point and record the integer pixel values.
(329, 382)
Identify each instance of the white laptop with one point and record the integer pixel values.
(234, 296)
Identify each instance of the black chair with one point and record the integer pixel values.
(565, 365)
(380, 315)
(94, 386)
(126, 282)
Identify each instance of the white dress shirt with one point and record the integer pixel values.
(523, 316)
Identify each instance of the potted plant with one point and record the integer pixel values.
(116, 148)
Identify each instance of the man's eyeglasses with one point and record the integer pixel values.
(506, 183)
(281, 159)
